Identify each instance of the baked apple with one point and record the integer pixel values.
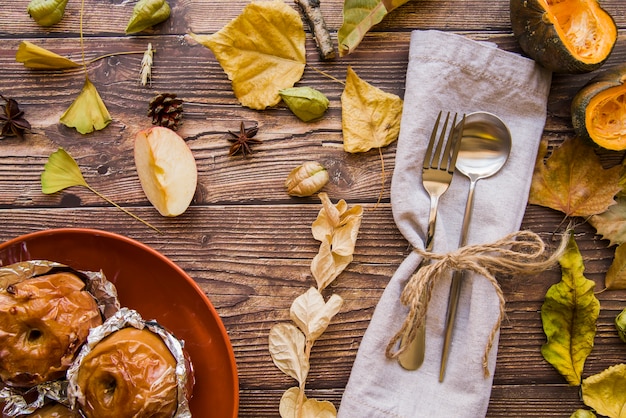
(44, 320)
(54, 410)
(130, 368)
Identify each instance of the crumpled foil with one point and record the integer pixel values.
(25, 401)
(123, 318)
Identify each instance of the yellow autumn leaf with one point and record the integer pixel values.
(311, 408)
(312, 314)
(262, 51)
(370, 117)
(569, 314)
(572, 180)
(60, 172)
(604, 392)
(88, 112)
(38, 58)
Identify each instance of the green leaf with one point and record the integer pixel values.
(605, 392)
(88, 112)
(583, 413)
(61, 172)
(359, 16)
(569, 314)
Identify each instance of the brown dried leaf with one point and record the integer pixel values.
(573, 181)
(611, 224)
(286, 344)
(311, 408)
(616, 275)
(312, 314)
(337, 228)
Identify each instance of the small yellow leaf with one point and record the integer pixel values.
(61, 172)
(286, 345)
(38, 58)
(326, 265)
(616, 275)
(312, 314)
(88, 112)
(569, 314)
(262, 51)
(604, 392)
(370, 118)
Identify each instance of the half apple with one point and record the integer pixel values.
(167, 170)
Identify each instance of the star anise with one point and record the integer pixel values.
(243, 139)
(12, 119)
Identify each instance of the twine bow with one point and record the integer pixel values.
(522, 252)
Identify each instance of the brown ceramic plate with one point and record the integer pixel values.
(153, 285)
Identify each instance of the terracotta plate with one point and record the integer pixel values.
(158, 289)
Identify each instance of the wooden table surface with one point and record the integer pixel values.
(244, 240)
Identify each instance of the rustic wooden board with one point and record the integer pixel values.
(247, 243)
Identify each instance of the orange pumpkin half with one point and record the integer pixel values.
(599, 110)
(564, 36)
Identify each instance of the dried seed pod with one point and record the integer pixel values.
(306, 179)
(306, 103)
(47, 12)
(148, 13)
(620, 324)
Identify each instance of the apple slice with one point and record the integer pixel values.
(167, 170)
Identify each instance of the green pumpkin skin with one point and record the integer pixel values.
(614, 77)
(539, 39)
(47, 12)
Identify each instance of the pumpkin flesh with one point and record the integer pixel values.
(583, 27)
(605, 118)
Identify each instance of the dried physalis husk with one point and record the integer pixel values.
(148, 13)
(47, 12)
(306, 179)
(306, 103)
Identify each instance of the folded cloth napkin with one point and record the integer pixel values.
(451, 73)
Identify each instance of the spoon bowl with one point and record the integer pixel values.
(485, 148)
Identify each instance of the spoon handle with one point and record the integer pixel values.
(455, 285)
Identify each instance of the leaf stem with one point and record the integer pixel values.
(113, 54)
(121, 208)
(324, 73)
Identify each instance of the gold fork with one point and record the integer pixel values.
(437, 172)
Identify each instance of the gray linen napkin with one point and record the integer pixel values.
(451, 73)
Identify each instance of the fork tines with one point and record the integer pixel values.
(436, 159)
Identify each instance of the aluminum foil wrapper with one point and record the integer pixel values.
(124, 318)
(20, 401)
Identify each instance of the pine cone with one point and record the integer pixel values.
(166, 110)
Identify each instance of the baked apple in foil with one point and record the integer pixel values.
(131, 368)
(46, 312)
(54, 410)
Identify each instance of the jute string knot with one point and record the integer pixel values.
(522, 252)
